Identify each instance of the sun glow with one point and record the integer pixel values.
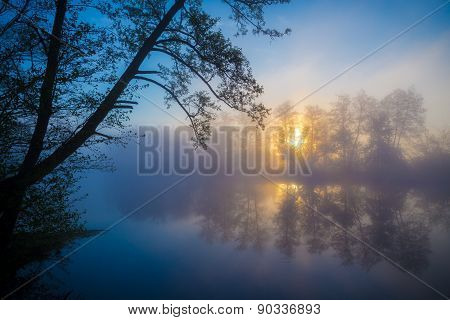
(295, 138)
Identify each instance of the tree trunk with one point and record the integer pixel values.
(47, 90)
(70, 146)
(11, 198)
(11, 190)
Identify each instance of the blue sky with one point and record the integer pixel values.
(327, 36)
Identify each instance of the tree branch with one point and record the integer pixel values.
(124, 107)
(126, 101)
(148, 72)
(41, 40)
(104, 135)
(182, 32)
(173, 95)
(173, 55)
(19, 14)
(46, 92)
(79, 138)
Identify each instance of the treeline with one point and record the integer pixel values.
(362, 136)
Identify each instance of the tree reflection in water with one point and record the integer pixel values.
(395, 221)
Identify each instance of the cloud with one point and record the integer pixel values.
(421, 63)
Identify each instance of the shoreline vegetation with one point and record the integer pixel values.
(28, 248)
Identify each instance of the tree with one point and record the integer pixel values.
(314, 133)
(61, 88)
(287, 120)
(406, 113)
(361, 106)
(342, 122)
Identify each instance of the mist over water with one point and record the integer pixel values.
(221, 237)
(314, 160)
(372, 211)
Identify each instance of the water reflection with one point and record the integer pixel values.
(231, 213)
(253, 214)
(245, 237)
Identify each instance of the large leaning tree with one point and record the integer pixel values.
(71, 71)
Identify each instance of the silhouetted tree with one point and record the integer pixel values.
(69, 82)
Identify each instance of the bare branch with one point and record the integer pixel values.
(124, 107)
(41, 39)
(193, 70)
(166, 89)
(148, 72)
(19, 14)
(104, 135)
(126, 101)
(173, 95)
(182, 32)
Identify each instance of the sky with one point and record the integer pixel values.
(327, 37)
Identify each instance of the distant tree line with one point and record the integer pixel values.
(363, 134)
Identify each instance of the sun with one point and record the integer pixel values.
(296, 137)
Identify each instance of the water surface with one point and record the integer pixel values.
(250, 238)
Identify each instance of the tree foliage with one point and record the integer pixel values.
(71, 71)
